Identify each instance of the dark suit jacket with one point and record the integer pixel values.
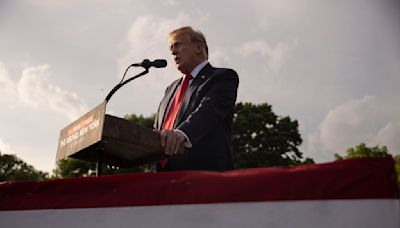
(206, 118)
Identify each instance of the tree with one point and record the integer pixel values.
(14, 169)
(261, 138)
(71, 167)
(362, 151)
(141, 120)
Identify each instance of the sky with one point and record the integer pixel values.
(333, 65)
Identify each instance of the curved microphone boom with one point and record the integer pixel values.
(158, 63)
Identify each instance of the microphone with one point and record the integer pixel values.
(158, 63)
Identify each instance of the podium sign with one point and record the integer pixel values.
(117, 141)
(82, 133)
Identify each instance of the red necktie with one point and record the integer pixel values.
(174, 109)
(176, 104)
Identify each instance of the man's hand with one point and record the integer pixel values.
(172, 141)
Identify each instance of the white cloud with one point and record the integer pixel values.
(7, 86)
(34, 110)
(274, 55)
(352, 123)
(219, 58)
(349, 124)
(390, 137)
(147, 37)
(32, 85)
(35, 91)
(169, 2)
(4, 147)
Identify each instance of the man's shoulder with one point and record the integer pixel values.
(220, 70)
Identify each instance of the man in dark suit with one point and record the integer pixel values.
(195, 115)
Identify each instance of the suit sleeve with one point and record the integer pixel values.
(215, 107)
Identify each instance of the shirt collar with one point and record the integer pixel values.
(198, 68)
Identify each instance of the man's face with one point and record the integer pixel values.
(183, 52)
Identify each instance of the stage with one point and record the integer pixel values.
(349, 193)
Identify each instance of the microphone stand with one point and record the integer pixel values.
(119, 85)
(100, 154)
(146, 64)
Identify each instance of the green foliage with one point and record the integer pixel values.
(71, 167)
(142, 121)
(261, 138)
(14, 169)
(362, 151)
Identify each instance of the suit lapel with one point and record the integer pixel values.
(169, 95)
(197, 81)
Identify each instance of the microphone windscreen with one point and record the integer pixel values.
(160, 63)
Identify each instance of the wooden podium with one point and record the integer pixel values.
(107, 139)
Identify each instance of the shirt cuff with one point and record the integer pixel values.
(187, 143)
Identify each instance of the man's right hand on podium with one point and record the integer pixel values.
(172, 141)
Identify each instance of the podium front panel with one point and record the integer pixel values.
(82, 133)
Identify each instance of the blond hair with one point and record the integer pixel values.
(194, 35)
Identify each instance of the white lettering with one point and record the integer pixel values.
(83, 131)
(71, 138)
(95, 124)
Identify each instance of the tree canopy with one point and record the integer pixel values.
(361, 151)
(71, 167)
(13, 169)
(141, 120)
(261, 138)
